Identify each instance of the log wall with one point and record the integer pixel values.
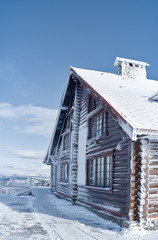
(62, 188)
(69, 189)
(136, 165)
(116, 201)
(75, 133)
(153, 180)
(134, 192)
(144, 182)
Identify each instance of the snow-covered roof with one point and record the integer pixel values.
(118, 59)
(129, 98)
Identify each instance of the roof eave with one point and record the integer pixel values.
(67, 95)
(139, 132)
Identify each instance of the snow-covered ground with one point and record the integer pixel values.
(45, 217)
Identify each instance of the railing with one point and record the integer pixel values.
(15, 186)
(18, 186)
(6, 191)
(38, 181)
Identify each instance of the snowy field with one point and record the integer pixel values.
(45, 217)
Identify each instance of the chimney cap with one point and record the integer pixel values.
(118, 60)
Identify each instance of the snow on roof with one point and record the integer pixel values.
(118, 59)
(128, 97)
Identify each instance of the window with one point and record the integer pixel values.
(64, 172)
(91, 104)
(68, 120)
(66, 141)
(67, 124)
(97, 125)
(100, 172)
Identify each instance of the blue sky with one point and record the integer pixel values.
(40, 39)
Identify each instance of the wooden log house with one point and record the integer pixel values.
(104, 148)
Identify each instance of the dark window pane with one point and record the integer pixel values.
(64, 172)
(66, 142)
(99, 172)
(91, 104)
(92, 164)
(97, 125)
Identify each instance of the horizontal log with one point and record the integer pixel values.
(153, 215)
(153, 210)
(114, 194)
(124, 175)
(153, 164)
(123, 153)
(153, 191)
(121, 170)
(98, 202)
(153, 172)
(153, 205)
(120, 164)
(120, 188)
(153, 185)
(153, 197)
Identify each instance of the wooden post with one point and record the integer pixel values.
(30, 183)
(75, 134)
(143, 193)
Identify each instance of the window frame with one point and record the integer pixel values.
(95, 187)
(68, 121)
(103, 128)
(64, 135)
(92, 103)
(67, 132)
(64, 168)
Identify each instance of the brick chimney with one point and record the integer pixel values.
(130, 68)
